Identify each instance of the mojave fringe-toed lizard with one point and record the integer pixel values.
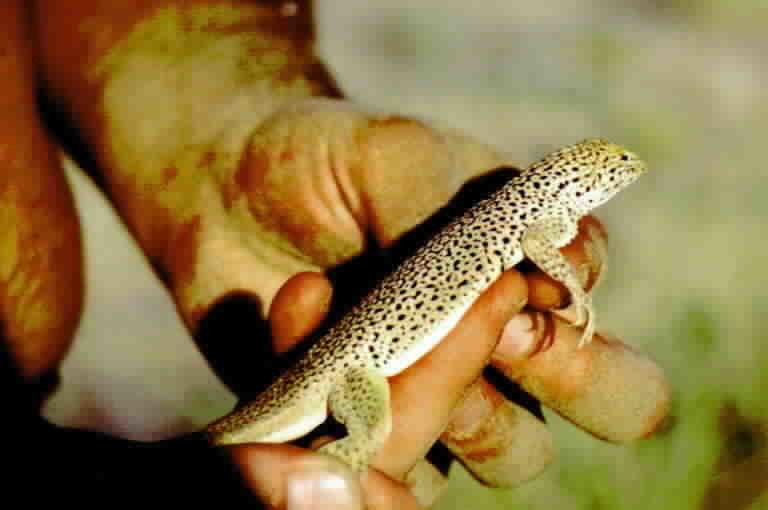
(415, 307)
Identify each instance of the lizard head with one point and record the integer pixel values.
(588, 173)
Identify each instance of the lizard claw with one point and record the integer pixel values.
(589, 332)
(585, 316)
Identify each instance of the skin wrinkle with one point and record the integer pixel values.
(337, 155)
(382, 141)
(299, 231)
(302, 231)
(336, 203)
(482, 454)
(224, 246)
(340, 171)
(501, 444)
(478, 425)
(318, 234)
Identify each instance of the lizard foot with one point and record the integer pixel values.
(361, 403)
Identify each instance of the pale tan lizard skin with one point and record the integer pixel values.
(414, 308)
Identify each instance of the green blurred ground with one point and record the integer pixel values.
(682, 83)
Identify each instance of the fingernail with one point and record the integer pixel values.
(517, 339)
(320, 485)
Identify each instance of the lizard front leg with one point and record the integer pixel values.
(540, 244)
(360, 401)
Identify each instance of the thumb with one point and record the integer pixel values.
(299, 307)
(284, 476)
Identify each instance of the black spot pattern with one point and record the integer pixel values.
(415, 306)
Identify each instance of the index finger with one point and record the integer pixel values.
(606, 387)
(424, 395)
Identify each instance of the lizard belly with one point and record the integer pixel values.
(419, 349)
(303, 421)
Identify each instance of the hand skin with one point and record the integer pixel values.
(253, 184)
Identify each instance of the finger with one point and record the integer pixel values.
(298, 308)
(586, 253)
(426, 482)
(427, 162)
(606, 387)
(424, 396)
(499, 442)
(285, 476)
(234, 338)
(41, 285)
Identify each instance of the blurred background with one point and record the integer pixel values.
(683, 83)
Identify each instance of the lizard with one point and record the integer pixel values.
(413, 308)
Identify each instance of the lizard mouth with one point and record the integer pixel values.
(634, 164)
(639, 167)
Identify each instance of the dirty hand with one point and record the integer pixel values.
(242, 186)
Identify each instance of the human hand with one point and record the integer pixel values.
(606, 388)
(500, 441)
(550, 359)
(234, 186)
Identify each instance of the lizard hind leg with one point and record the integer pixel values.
(360, 401)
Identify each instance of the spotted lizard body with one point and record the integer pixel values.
(417, 305)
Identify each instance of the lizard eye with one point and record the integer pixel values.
(624, 157)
